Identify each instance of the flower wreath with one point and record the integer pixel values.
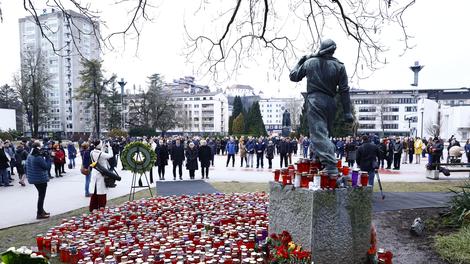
(138, 157)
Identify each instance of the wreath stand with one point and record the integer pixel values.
(137, 184)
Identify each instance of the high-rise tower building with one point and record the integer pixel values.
(73, 39)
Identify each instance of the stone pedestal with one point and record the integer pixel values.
(333, 225)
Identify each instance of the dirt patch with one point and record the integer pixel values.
(393, 233)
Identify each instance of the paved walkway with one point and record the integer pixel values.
(409, 200)
(184, 188)
(67, 193)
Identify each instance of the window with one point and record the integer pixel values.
(411, 108)
(370, 109)
(366, 126)
(390, 126)
(367, 117)
(391, 109)
(390, 117)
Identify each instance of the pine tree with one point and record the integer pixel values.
(304, 130)
(237, 109)
(254, 121)
(113, 113)
(340, 128)
(239, 125)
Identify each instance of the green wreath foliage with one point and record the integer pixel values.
(138, 149)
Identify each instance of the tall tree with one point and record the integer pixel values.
(254, 121)
(239, 125)
(237, 109)
(9, 99)
(340, 128)
(93, 89)
(162, 107)
(32, 86)
(112, 102)
(153, 109)
(304, 130)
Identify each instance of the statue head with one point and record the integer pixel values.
(327, 46)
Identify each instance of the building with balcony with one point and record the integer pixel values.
(202, 113)
(396, 112)
(72, 43)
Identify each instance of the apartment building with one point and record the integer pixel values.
(72, 43)
(273, 108)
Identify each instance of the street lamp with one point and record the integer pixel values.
(122, 83)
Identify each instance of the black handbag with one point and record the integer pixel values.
(109, 176)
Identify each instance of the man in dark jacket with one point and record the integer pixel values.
(283, 151)
(162, 158)
(177, 158)
(259, 148)
(37, 167)
(367, 158)
(397, 151)
(4, 165)
(436, 151)
(390, 147)
(204, 155)
(213, 148)
(326, 77)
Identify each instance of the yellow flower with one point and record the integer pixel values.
(291, 245)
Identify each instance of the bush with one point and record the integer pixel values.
(142, 131)
(455, 248)
(5, 136)
(460, 205)
(116, 132)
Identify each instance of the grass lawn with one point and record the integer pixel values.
(438, 186)
(455, 248)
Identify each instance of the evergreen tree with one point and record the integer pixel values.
(254, 121)
(239, 125)
(340, 128)
(93, 89)
(112, 103)
(304, 130)
(237, 109)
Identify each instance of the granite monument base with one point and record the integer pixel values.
(333, 225)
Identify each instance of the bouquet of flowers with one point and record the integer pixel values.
(22, 255)
(280, 249)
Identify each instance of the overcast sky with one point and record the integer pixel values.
(440, 34)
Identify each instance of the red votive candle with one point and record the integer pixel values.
(324, 180)
(277, 173)
(364, 178)
(40, 241)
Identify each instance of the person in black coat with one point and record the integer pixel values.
(177, 158)
(270, 154)
(191, 159)
(382, 153)
(204, 155)
(4, 165)
(259, 149)
(162, 158)
(397, 151)
(213, 148)
(20, 156)
(367, 158)
(390, 148)
(283, 151)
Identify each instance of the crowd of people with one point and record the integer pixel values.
(33, 159)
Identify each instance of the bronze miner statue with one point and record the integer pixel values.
(326, 77)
